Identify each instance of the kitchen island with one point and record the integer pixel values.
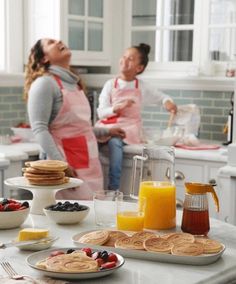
(134, 271)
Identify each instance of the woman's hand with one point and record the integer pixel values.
(122, 105)
(171, 107)
(117, 132)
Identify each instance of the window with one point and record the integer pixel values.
(2, 35)
(185, 33)
(85, 25)
(11, 36)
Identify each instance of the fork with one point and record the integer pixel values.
(12, 273)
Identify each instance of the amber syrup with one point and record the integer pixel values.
(195, 222)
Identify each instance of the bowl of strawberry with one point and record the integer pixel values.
(13, 213)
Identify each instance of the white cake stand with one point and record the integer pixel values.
(42, 195)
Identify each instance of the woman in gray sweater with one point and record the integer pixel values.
(60, 116)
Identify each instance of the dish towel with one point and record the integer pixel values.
(26, 280)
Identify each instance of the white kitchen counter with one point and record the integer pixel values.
(19, 151)
(134, 271)
(219, 155)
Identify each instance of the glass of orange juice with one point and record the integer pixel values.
(130, 213)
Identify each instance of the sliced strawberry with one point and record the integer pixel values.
(88, 251)
(112, 257)
(108, 265)
(100, 261)
(56, 252)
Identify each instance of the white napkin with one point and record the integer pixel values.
(7, 280)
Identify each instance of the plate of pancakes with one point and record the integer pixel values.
(177, 247)
(76, 265)
(44, 173)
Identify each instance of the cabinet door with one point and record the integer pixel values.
(86, 31)
(187, 171)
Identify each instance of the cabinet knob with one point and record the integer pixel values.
(179, 175)
(212, 182)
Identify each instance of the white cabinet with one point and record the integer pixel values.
(84, 25)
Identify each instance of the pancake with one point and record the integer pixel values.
(190, 249)
(33, 171)
(95, 238)
(158, 245)
(55, 181)
(113, 236)
(209, 246)
(144, 235)
(70, 263)
(178, 238)
(49, 165)
(129, 243)
(54, 175)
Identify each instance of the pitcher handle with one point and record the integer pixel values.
(134, 171)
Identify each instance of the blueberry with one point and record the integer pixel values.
(26, 204)
(70, 251)
(4, 201)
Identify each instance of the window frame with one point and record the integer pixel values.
(13, 37)
(200, 59)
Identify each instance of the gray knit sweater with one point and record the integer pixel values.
(44, 103)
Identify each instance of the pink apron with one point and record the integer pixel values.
(130, 118)
(74, 137)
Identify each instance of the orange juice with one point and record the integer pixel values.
(130, 221)
(160, 212)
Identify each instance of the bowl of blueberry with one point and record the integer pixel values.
(66, 212)
(13, 213)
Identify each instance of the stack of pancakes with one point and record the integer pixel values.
(174, 243)
(45, 172)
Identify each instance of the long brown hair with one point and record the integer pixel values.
(36, 67)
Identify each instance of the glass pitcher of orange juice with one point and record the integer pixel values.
(156, 184)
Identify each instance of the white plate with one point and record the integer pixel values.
(38, 256)
(155, 256)
(39, 246)
(21, 182)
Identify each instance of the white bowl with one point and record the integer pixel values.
(13, 219)
(66, 217)
(26, 134)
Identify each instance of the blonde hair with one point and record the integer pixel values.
(36, 68)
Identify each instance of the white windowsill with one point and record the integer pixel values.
(11, 80)
(171, 82)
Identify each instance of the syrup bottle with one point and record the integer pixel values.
(195, 218)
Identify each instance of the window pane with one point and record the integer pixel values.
(76, 7)
(178, 12)
(2, 35)
(95, 8)
(178, 46)
(76, 35)
(144, 13)
(222, 11)
(95, 36)
(147, 37)
(222, 43)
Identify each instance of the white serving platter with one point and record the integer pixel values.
(203, 259)
(38, 256)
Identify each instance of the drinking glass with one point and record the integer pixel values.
(130, 213)
(105, 207)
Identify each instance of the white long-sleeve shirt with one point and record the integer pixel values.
(150, 95)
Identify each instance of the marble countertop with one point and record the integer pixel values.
(134, 270)
(218, 155)
(21, 151)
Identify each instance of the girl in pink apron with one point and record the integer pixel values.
(120, 105)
